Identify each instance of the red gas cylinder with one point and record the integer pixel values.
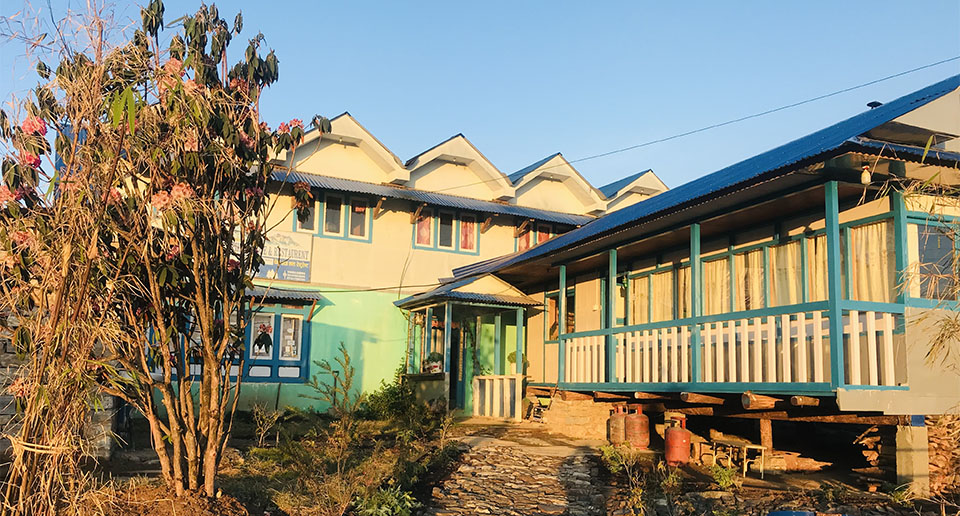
(677, 443)
(637, 429)
(616, 429)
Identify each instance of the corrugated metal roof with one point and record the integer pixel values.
(436, 199)
(897, 150)
(822, 141)
(614, 187)
(284, 294)
(448, 291)
(518, 175)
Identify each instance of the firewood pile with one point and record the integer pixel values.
(944, 440)
(878, 449)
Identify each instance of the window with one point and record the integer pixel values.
(309, 224)
(553, 311)
(333, 206)
(424, 234)
(523, 239)
(716, 287)
(358, 218)
(543, 233)
(749, 278)
(290, 337)
(262, 336)
(445, 230)
(937, 263)
(468, 232)
(785, 273)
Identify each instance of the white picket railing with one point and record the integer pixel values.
(498, 396)
(783, 348)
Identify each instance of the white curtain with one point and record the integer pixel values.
(640, 300)
(683, 295)
(749, 278)
(872, 262)
(785, 274)
(817, 268)
(662, 296)
(716, 287)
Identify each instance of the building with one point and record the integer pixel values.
(801, 280)
(382, 229)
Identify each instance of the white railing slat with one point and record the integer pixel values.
(854, 348)
(684, 353)
(802, 357)
(817, 346)
(889, 377)
(771, 349)
(872, 371)
(785, 347)
(757, 344)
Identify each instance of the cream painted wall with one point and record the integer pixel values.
(619, 203)
(339, 160)
(553, 195)
(453, 179)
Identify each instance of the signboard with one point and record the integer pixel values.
(286, 256)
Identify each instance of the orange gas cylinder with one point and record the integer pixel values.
(677, 443)
(616, 429)
(637, 429)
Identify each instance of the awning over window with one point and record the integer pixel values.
(487, 289)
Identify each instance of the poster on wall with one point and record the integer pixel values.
(286, 256)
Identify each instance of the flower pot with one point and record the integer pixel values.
(434, 367)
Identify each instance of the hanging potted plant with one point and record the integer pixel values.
(434, 362)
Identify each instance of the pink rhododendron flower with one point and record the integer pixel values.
(296, 122)
(246, 140)
(266, 328)
(192, 143)
(173, 252)
(116, 197)
(5, 196)
(284, 128)
(21, 238)
(30, 159)
(254, 191)
(34, 125)
(19, 387)
(161, 200)
(233, 265)
(181, 191)
(174, 66)
(190, 86)
(301, 186)
(264, 127)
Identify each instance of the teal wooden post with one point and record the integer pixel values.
(695, 312)
(447, 334)
(610, 315)
(900, 243)
(834, 286)
(426, 347)
(520, 335)
(497, 356)
(562, 327)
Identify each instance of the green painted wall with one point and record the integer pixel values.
(374, 332)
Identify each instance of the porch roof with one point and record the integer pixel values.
(482, 290)
(284, 294)
(773, 163)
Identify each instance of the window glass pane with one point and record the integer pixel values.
(683, 296)
(468, 232)
(620, 314)
(937, 268)
(262, 335)
(331, 214)
(358, 218)
(425, 227)
(543, 233)
(290, 338)
(310, 223)
(523, 240)
(570, 325)
(445, 235)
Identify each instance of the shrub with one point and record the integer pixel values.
(726, 478)
(390, 501)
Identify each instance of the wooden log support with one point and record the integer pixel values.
(700, 399)
(517, 231)
(540, 391)
(575, 396)
(649, 396)
(753, 401)
(486, 224)
(378, 209)
(766, 434)
(416, 214)
(804, 401)
(611, 396)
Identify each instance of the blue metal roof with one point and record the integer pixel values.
(448, 291)
(614, 187)
(518, 175)
(817, 143)
(433, 198)
(897, 150)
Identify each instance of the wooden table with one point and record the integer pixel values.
(738, 450)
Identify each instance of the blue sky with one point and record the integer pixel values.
(525, 79)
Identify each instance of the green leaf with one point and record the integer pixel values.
(116, 109)
(162, 278)
(926, 148)
(131, 106)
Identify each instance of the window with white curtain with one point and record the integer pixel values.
(873, 262)
(785, 274)
(817, 268)
(640, 300)
(716, 286)
(748, 268)
(683, 292)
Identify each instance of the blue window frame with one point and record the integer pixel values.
(450, 231)
(338, 215)
(277, 344)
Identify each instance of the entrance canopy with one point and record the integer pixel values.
(485, 289)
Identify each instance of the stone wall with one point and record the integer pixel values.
(580, 419)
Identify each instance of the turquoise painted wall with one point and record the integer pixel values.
(374, 332)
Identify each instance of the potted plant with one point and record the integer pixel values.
(434, 362)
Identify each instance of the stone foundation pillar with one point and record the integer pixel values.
(913, 460)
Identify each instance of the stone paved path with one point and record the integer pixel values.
(504, 479)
